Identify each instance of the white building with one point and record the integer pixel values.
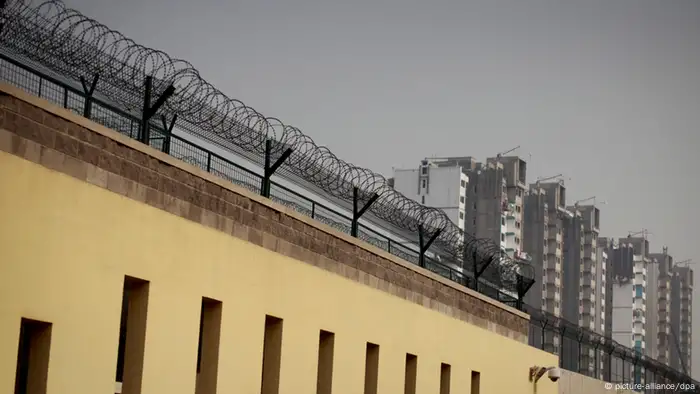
(437, 187)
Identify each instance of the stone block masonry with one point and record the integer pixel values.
(57, 139)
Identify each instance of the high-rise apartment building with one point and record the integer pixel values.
(555, 193)
(682, 318)
(515, 177)
(571, 297)
(607, 247)
(545, 293)
(435, 186)
(603, 314)
(664, 271)
(545, 209)
(627, 304)
(572, 261)
(487, 198)
(494, 198)
(651, 337)
(630, 264)
(579, 270)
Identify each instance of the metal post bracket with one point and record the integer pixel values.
(424, 246)
(357, 212)
(270, 168)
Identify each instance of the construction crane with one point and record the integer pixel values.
(499, 155)
(576, 204)
(683, 263)
(543, 179)
(643, 233)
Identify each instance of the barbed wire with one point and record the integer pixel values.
(72, 44)
(67, 41)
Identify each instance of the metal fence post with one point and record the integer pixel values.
(357, 212)
(167, 132)
(522, 289)
(424, 246)
(270, 167)
(150, 110)
(89, 90)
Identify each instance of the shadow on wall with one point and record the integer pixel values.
(573, 383)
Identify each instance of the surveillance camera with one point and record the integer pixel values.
(554, 374)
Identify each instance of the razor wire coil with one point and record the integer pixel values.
(74, 45)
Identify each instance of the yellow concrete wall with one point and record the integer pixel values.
(65, 247)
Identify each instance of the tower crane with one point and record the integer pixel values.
(577, 203)
(543, 179)
(499, 155)
(683, 263)
(644, 232)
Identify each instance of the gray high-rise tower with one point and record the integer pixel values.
(681, 318)
(663, 271)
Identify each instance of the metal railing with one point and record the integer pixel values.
(39, 83)
(147, 83)
(579, 350)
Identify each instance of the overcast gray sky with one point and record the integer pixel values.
(606, 92)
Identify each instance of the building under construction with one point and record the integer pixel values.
(681, 317)
(663, 271)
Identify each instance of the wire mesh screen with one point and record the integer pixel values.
(373, 238)
(334, 219)
(234, 174)
(289, 199)
(66, 42)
